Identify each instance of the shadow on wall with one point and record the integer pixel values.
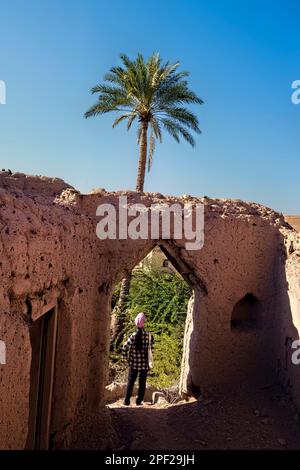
(246, 314)
(252, 340)
(287, 327)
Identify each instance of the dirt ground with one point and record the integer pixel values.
(241, 417)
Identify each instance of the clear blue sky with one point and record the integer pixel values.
(242, 57)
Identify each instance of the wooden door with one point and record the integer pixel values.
(43, 332)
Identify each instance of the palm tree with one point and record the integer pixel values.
(152, 93)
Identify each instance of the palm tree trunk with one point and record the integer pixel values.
(118, 316)
(125, 286)
(143, 157)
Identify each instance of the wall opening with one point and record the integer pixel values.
(43, 332)
(158, 289)
(245, 314)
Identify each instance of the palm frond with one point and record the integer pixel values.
(176, 129)
(184, 116)
(131, 119)
(115, 75)
(175, 94)
(156, 128)
(151, 91)
(151, 150)
(108, 90)
(139, 133)
(170, 128)
(97, 109)
(121, 118)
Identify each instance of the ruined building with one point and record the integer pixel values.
(57, 279)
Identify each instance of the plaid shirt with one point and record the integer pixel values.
(137, 359)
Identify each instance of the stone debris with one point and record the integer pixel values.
(156, 396)
(162, 401)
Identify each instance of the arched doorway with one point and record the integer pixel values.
(159, 289)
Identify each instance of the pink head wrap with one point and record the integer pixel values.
(140, 320)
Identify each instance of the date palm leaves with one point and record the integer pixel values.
(153, 94)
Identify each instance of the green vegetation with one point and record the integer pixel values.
(163, 296)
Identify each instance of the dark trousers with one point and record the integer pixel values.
(132, 376)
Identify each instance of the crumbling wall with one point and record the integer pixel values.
(287, 314)
(46, 256)
(50, 254)
(238, 258)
